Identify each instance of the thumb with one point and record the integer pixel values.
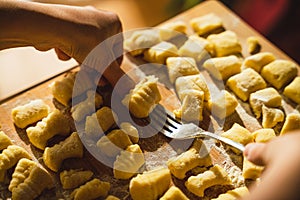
(256, 153)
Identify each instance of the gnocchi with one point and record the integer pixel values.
(160, 52)
(292, 122)
(172, 29)
(234, 194)
(263, 135)
(292, 91)
(71, 147)
(5, 141)
(258, 61)
(73, 178)
(271, 117)
(174, 193)
(250, 170)
(54, 124)
(207, 24)
(29, 113)
(253, 44)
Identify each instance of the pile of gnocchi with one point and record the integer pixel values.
(260, 80)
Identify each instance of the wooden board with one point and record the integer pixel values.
(157, 149)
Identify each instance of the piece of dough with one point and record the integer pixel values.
(73, 178)
(263, 135)
(245, 83)
(279, 73)
(234, 194)
(174, 193)
(172, 29)
(258, 61)
(292, 122)
(292, 91)
(206, 24)
(160, 52)
(271, 117)
(29, 113)
(253, 44)
(250, 170)
(5, 141)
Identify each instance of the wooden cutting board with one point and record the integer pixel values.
(157, 149)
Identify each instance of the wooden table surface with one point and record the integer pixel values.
(157, 148)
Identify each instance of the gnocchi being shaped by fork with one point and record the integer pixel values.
(91, 190)
(29, 113)
(29, 180)
(54, 124)
(143, 98)
(9, 157)
(71, 147)
(189, 159)
(150, 185)
(216, 175)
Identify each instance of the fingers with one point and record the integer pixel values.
(61, 55)
(256, 153)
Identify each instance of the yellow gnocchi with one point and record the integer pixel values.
(292, 122)
(112, 143)
(150, 185)
(223, 105)
(258, 61)
(131, 131)
(189, 159)
(91, 190)
(250, 170)
(54, 124)
(207, 24)
(5, 141)
(73, 178)
(216, 175)
(71, 147)
(174, 193)
(196, 47)
(10, 157)
(245, 83)
(279, 72)
(29, 180)
(160, 52)
(86, 107)
(268, 97)
(99, 122)
(172, 29)
(29, 113)
(271, 117)
(141, 40)
(234, 194)
(143, 98)
(128, 162)
(225, 43)
(181, 66)
(253, 44)
(292, 91)
(222, 68)
(263, 135)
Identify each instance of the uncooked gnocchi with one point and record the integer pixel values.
(73, 178)
(174, 193)
(258, 61)
(292, 91)
(4, 141)
(160, 52)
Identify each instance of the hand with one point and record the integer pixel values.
(281, 178)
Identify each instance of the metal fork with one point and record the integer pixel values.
(165, 122)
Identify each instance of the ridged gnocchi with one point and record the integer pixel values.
(131, 131)
(216, 175)
(5, 141)
(71, 147)
(73, 178)
(91, 190)
(189, 159)
(29, 113)
(29, 180)
(10, 157)
(128, 162)
(150, 185)
(54, 124)
(143, 98)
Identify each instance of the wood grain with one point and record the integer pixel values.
(157, 148)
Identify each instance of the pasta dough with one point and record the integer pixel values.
(112, 143)
(206, 24)
(141, 40)
(54, 124)
(174, 193)
(245, 83)
(189, 159)
(128, 162)
(268, 97)
(143, 98)
(292, 91)
(71, 147)
(29, 180)
(216, 175)
(223, 67)
(225, 43)
(150, 185)
(258, 61)
(4, 141)
(160, 52)
(279, 73)
(292, 122)
(74, 178)
(181, 66)
(100, 122)
(29, 113)
(91, 190)
(10, 157)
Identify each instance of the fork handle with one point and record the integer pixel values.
(230, 142)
